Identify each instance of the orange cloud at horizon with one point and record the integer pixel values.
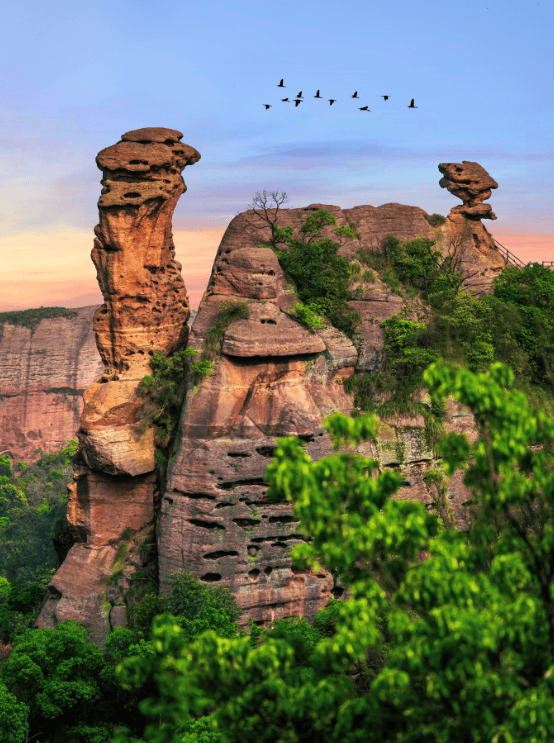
(54, 267)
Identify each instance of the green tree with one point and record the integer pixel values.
(531, 290)
(469, 630)
(13, 717)
(321, 276)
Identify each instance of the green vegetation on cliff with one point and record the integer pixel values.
(514, 325)
(455, 648)
(31, 318)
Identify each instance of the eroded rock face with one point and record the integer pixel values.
(146, 306)
(274, 378)
(43, 375)
(146, 310)
(472, 184)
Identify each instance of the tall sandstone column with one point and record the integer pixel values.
(145, 310)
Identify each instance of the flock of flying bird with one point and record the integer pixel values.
(299, 99)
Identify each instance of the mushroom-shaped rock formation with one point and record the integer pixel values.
(472, 184)
(464, 236)
(274, 378)
(145, 310)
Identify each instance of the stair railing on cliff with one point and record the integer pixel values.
(515, 261)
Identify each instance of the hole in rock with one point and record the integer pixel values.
(169, 143)
(131, 195)
(271, 273)
(225, 504)
(268, 571)
(278, 544)
(267, 321)
(300, 571)
(282, 520)
(253, 574)
(246, 523)
(235, 483)
(238, 454)
(337, 592)
(220, 553)
(138, 162)
(206, 524)
(266, 451)
(211, 577)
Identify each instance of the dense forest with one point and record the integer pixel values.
(456, 647)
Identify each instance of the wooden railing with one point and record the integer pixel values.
(515, 261)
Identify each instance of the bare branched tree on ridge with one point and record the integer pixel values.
(267, 215)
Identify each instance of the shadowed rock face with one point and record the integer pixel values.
(146, 310)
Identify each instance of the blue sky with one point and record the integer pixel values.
(75, 76)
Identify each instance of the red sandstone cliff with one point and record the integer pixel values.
(44, 372)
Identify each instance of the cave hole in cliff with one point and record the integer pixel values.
(220, 553)
(266, 451)
(268, 571)
(268, 321)
(231, 485)
(206, 524)
(300, 571)
(131, 195)
(246, 523)
(224, 504)
(253, 574)
(282, 545)
(285, 519)
(138, 162)
(196, 496)
(337, 592)
(211, 577)
(307, 436)
(239, 454)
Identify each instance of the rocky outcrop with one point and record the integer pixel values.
(44, 372)
(274, 378)
(146, 310)
(463, 235)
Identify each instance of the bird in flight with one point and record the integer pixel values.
(331, 101)
(412, 104)
(355, 95)
(299, 95)
(266, 106)
(385, 97)
(284, 99)
(317, 95)
(365, 108)
(297, 101)
(281, 85)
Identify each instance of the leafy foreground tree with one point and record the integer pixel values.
(469, 630)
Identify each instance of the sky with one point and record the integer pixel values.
(75, 76)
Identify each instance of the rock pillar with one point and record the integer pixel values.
(145, 310)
